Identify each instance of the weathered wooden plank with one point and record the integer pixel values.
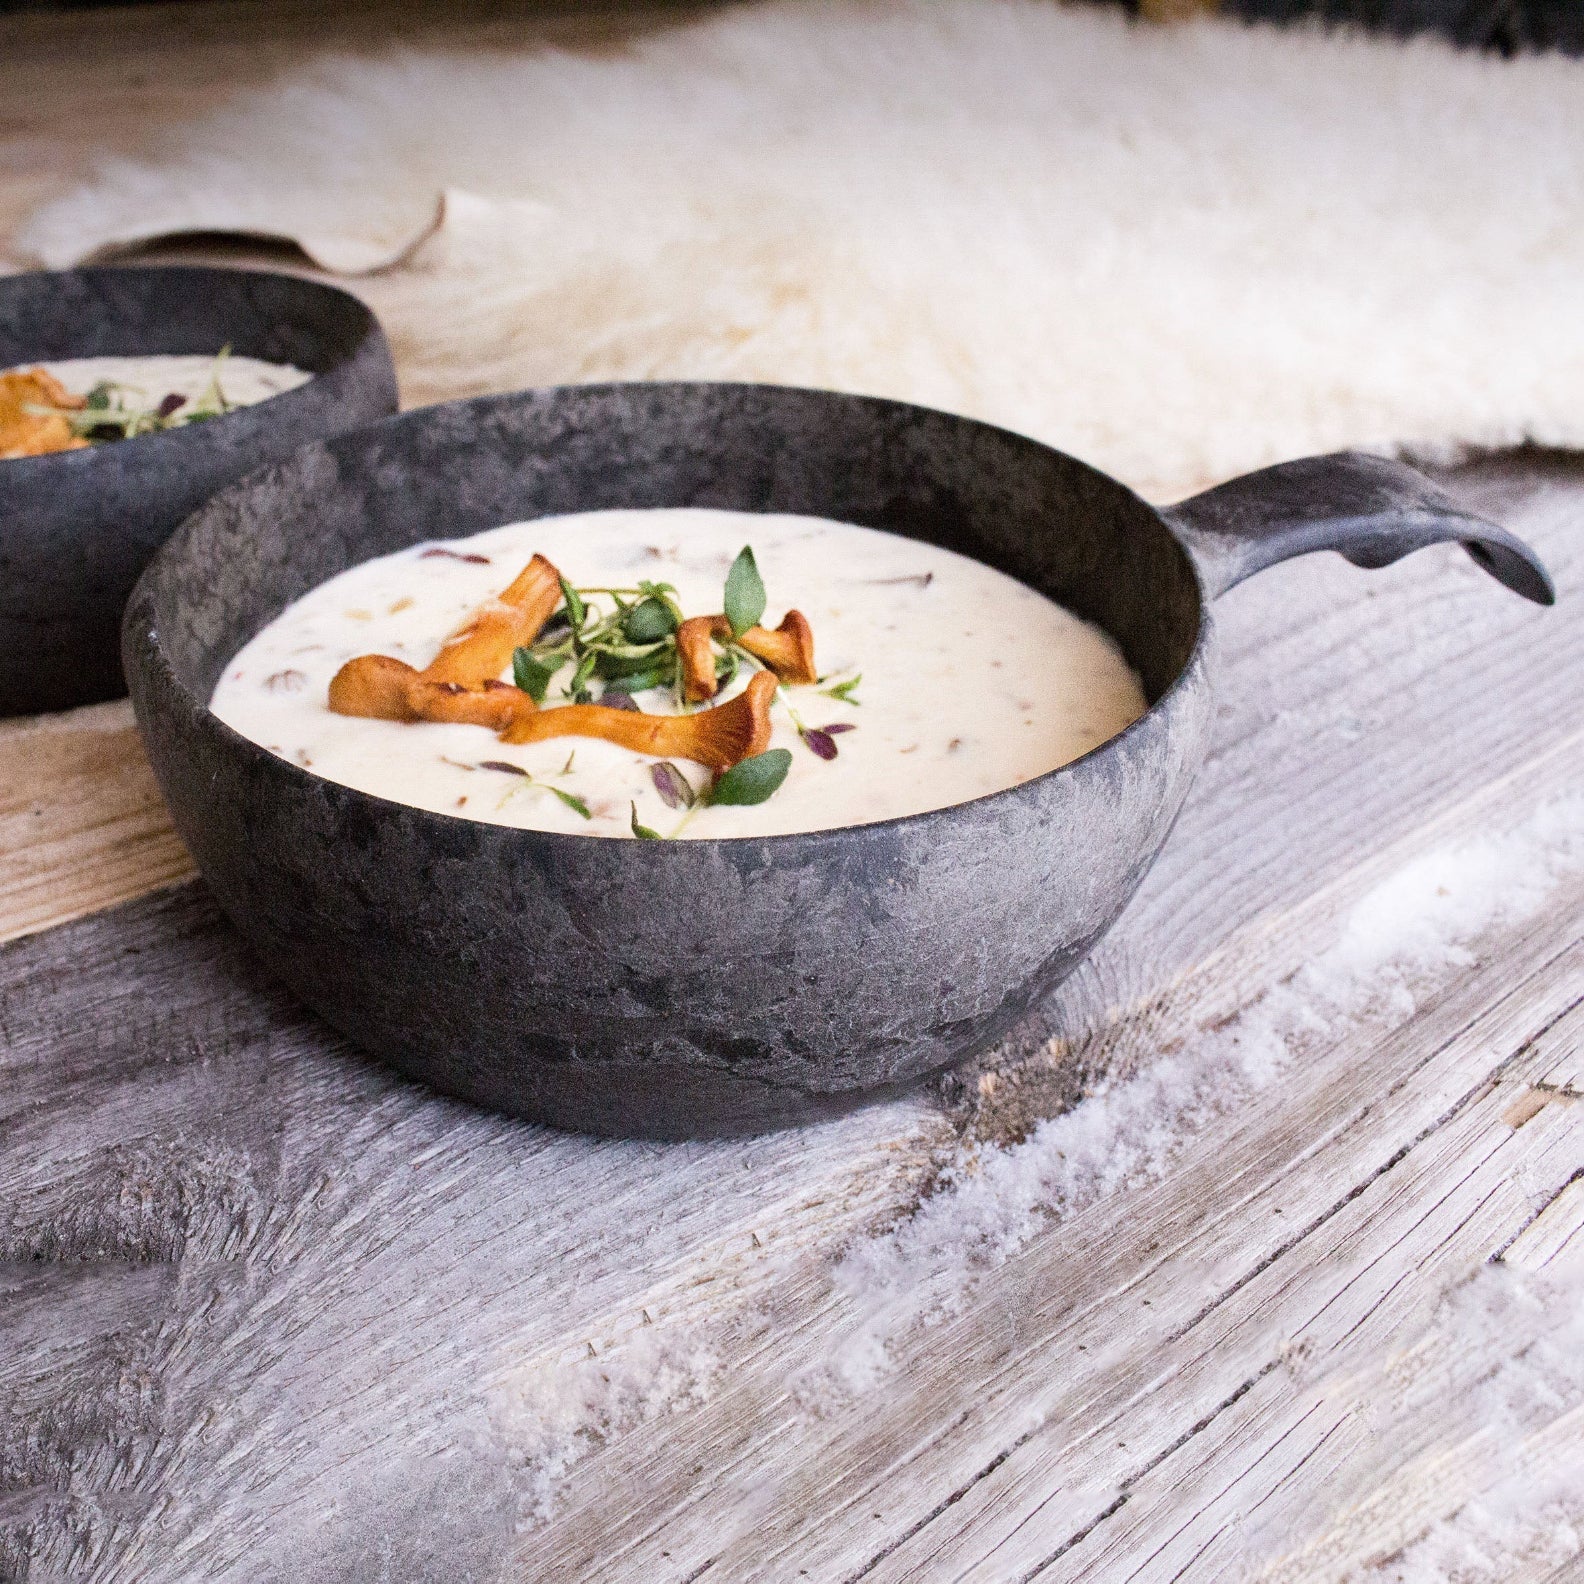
(1561, 1060)
(82, 824)
(342, 1237)
(1382, 1351)
(1557, 1231)
(1042, 1398)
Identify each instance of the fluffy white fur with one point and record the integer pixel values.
(1177, 252)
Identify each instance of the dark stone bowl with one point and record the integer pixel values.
(697, 987)
(77, 527)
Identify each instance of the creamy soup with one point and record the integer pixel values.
(243, 380)
(939, 679)
(75, 403)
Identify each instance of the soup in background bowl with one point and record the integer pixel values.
(78, 523)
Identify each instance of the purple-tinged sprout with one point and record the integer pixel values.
(819, 743)
(670, 783)
(617, 698)
(454, 555)
(501, 764)
(170, 404)
(840, 726)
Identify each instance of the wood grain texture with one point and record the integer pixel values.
(82, 823)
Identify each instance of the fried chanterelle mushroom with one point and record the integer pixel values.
(25, 430)
(717, 737)
(788, 650)
(462, 684)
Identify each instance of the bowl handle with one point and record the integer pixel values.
(1368, 508)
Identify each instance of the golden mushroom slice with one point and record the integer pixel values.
(716, 738)
(788, 651)
(384, 688)
(696, 655)
(482, 647)
(462, 682)
(26, 433)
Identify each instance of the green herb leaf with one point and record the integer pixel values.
(753, 780)
(576, 804)
(638, 681)
(614, 665)
(530, 676)
(576, 611)
(642, 832)
(844, 690)
(666, 594)
(647, 622)
(98, 398)
(745, 593)
(580, 677)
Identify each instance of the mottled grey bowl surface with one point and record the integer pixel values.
(76, 528)
(697, 987)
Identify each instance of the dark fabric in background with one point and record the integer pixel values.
(1504, 25)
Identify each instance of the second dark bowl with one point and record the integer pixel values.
(77, 527)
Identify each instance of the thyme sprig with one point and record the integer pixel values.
(506, 767)
(628, 649)
(623, 640)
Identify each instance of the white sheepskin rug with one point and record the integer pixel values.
(1177, 252)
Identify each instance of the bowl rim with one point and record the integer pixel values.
(167, 440)
(146, 641)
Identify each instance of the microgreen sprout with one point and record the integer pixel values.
(506, 767)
